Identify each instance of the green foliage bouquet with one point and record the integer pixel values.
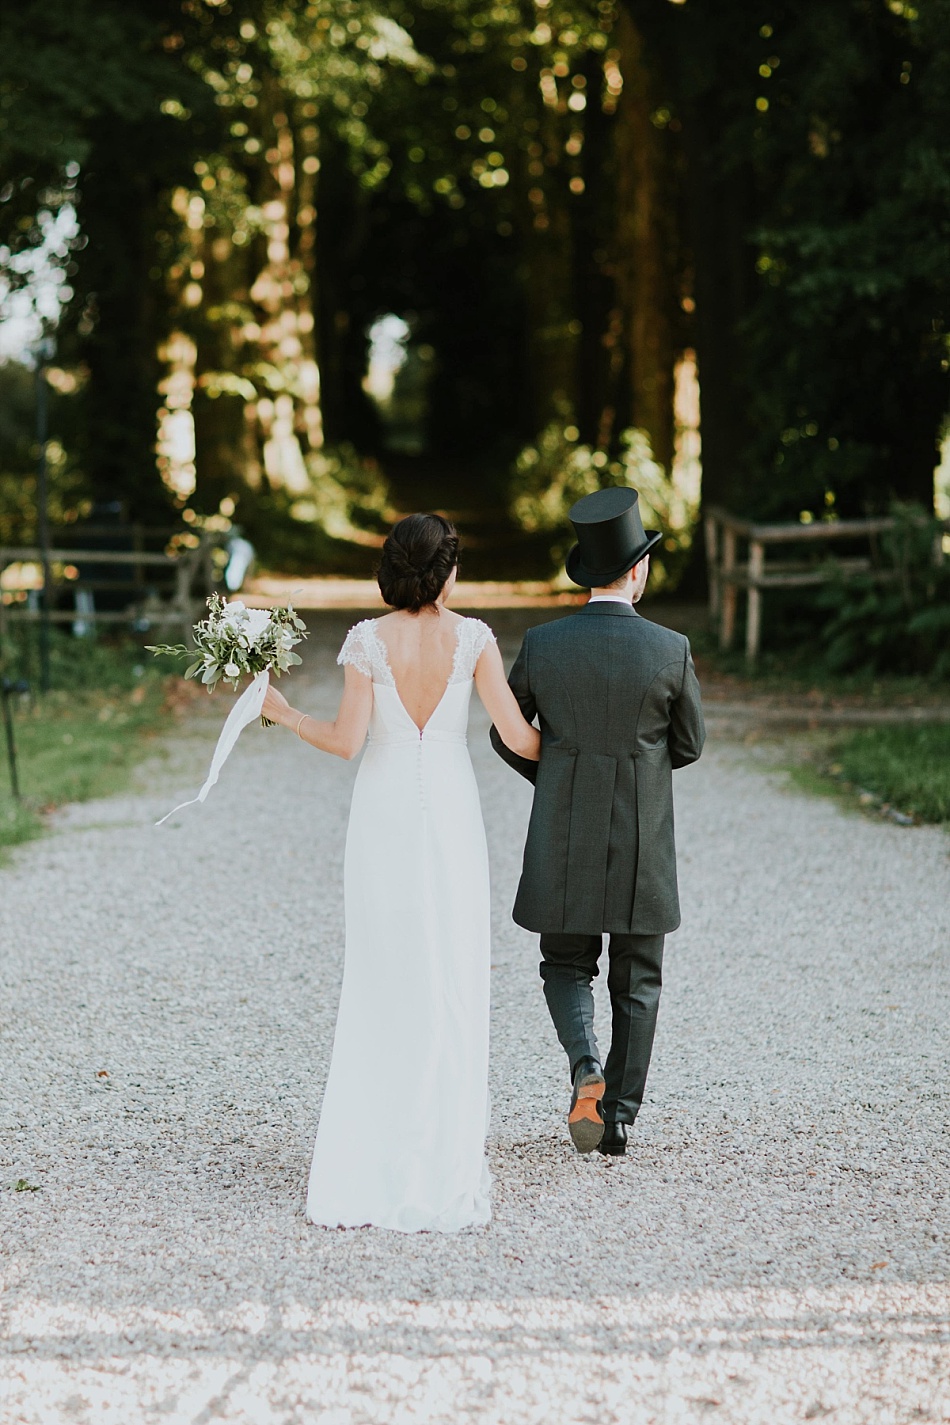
(234, 640)
(231, 642)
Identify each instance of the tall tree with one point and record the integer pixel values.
(815, 194)
(100, 90)
(647, 243)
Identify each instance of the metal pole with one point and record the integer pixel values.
(42, 508)
(6, 688)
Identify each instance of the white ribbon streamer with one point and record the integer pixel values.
(245, 710)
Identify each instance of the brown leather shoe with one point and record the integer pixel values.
(585, 1122)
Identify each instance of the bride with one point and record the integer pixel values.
(401, 1141)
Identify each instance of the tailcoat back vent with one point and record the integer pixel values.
(619, 707)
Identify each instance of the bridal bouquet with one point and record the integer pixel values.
(231, 642)
(234, 640)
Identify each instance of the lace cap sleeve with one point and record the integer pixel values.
(473, 636)
(357, 649)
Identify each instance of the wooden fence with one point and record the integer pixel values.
(728, 574)
(162, 588)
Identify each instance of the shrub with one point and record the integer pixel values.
(349, 496)
(896, 618)
(334, 524)
(556, 471)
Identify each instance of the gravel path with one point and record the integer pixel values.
(775, 1248)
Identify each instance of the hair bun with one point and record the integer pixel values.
(402, 562)
(419, 555)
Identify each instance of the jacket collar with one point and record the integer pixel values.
(608, 608)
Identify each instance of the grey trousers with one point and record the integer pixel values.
(634, 979)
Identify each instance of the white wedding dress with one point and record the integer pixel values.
(401, 1141)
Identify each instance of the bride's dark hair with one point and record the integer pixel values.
(419, 555)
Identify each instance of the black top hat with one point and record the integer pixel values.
(610, 537)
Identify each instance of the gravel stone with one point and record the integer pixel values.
(775, 1247)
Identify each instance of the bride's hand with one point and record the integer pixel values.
(276, 707)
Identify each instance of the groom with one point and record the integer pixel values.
(619, 707)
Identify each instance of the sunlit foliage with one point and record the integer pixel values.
(562, 201)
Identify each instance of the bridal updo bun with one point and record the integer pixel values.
(419, 555)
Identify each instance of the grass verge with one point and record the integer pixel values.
(798, 673)
(902, 771)
(83, 742)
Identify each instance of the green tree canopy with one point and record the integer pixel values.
(564, 198)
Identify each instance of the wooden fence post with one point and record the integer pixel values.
(729, 592)
(753, 632)
(184, 574)
(711, 529)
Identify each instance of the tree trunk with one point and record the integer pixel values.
(546, 243)
(646, 247)
(122, 329)
(718, 217)
(257, 405)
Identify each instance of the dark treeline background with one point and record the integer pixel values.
(565, 203)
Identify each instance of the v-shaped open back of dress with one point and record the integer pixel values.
(402, 1130)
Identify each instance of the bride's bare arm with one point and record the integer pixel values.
(346, 734)
(502, 706)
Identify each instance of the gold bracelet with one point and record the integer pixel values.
(300, 723)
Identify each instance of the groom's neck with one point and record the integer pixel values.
(624, 593)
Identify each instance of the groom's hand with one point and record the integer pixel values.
(528, 769)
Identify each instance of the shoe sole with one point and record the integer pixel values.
(585, 1122)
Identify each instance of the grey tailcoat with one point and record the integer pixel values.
(619, 707)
